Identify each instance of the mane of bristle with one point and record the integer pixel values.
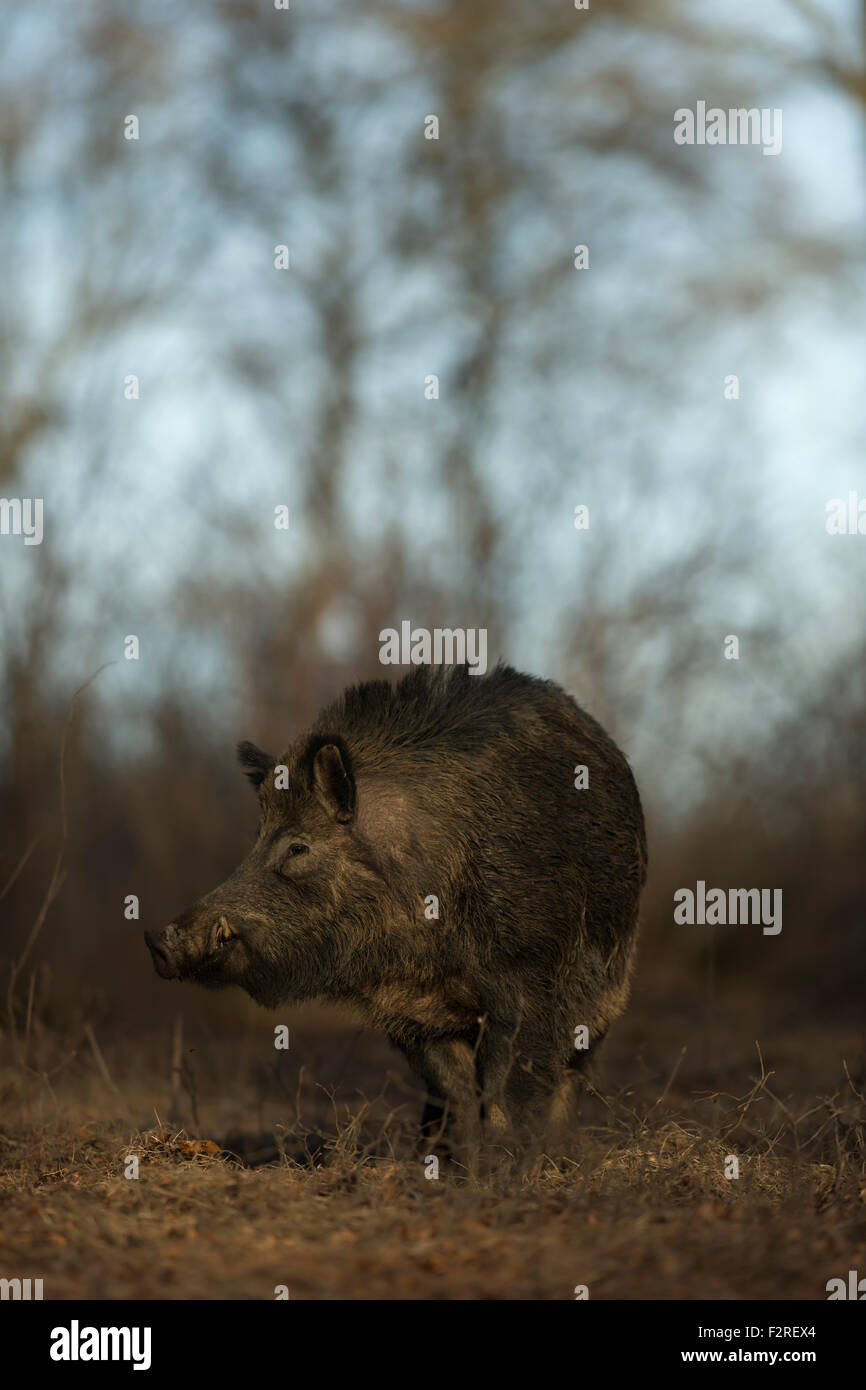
(428, 703)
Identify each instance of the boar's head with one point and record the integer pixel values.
(287, 923)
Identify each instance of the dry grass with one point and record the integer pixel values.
(338, 1206)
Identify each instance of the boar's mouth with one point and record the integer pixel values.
(208, 970)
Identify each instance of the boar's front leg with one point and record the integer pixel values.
(495, 1051)
(447, 1068)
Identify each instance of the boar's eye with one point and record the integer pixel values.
(293, 852)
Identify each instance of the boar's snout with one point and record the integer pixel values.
(195, 946)
(159, 945)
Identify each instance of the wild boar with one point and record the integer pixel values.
(427, 854)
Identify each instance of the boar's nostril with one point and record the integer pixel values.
(161, 957)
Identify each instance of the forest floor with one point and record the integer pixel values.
(233, 1179)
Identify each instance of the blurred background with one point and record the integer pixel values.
(308, 388)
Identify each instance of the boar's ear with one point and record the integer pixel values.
(254, 762)
(332, 779)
